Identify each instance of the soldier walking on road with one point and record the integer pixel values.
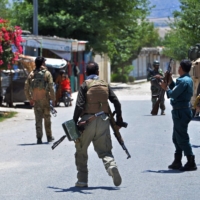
(155, 77)
(92, 98)
(39, 91)
(180, 94)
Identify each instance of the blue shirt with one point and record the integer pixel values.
(181, 91)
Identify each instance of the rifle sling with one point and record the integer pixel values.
(87, 121)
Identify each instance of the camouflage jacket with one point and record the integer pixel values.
(155, 87)
(46, 91)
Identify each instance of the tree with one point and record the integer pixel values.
(115, 27)
(4, 9)
(22, 15)
(96, 21)
(9, 36)
(128, 46)
(185, 30)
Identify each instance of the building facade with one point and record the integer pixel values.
(145, 60)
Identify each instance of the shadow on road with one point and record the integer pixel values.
(164, 171)
(82, 190)
(195, 146)
(196, 119)
(23, 106)
(31, 144)
(154, 115)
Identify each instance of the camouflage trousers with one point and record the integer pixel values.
(42, 110)
(162, 103)
(97, 132)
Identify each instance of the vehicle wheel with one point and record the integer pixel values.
(66, 102)
(26, 103)
(10, 105)
(1, 100)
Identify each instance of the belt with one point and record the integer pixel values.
(178, 108)
(92, 113)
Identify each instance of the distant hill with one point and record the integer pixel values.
(163, 8)
(160, 13)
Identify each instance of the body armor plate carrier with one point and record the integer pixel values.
(96, 97)
(38, 80)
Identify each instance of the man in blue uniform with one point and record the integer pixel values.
(180, 94)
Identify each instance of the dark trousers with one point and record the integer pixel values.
(180, 137)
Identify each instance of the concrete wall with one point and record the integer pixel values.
(145, 59)
(104, 66)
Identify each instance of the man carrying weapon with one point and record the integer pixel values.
(155, 76)
(39, 91)
(93, 98)
(180, 93)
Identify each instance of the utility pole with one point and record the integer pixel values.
(35, 22)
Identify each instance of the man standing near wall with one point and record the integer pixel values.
(155, 76)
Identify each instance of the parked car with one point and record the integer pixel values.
(13, 92)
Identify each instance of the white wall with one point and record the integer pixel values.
(104, 67)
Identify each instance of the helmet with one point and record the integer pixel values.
(156, 62)
(62, 72)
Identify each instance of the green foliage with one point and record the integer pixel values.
(6, 115)
(115, 27)
(127, 48)
(122, 74)
(185, 30)
(131, 79)
(4, 9)
(119, 78)
(22, 15)
(9, 35)
(175, 46)
(97, 21)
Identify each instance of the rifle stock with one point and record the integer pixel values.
(155, 108)
(117, 133)
(156, 105)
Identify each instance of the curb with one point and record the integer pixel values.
(139, 81)
(124, 85)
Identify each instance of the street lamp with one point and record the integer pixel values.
(35, 21)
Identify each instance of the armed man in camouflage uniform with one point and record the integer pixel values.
(92, 98)
(39, 91)
(155, 76)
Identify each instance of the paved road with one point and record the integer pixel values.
(35, 172)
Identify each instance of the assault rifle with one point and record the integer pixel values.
(52, 109)
(162, 93)
(73, 131)
(117, 134)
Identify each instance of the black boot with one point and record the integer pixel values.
(190, 165)
(177, 164)
(39, 141)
